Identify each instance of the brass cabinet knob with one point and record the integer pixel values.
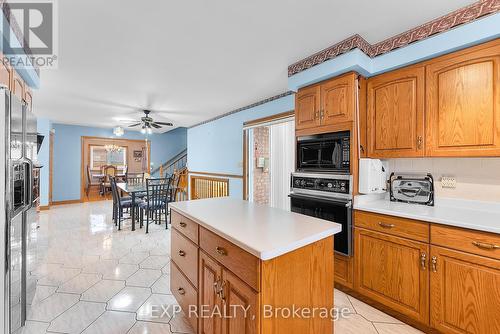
(182, 224)
(221, 250)
(434, 264)
(182, 253)
(423, 259)
(181, 291)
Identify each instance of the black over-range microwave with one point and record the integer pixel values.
(329, 152)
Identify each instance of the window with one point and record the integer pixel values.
(102, 155)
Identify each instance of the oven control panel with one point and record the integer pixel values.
(331, 185)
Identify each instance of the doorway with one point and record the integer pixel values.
(269, 160)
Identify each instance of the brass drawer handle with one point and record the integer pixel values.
(423, 259)
(434, 264)
(181, 291)
(420, 141)
(484, 245)
(182, 224)
(221, 251)
(182, 253)
(384, 225)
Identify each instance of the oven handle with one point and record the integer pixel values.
(346, 202)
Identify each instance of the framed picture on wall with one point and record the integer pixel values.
(137, 156)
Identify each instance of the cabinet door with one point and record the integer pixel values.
(307, 108)
(393, 271)
(5, 74)
(465, 292)
(463, 103)
(396, 114)
(28, 98)
(241, 306)
(210, 303)
(337, 100)
(17, 85)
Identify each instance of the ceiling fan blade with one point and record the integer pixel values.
(163, 123)
(154, 125)
(136, 124)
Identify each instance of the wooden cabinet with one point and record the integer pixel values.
(5, 74)
(395, 113)
(242, 308)
(28, 98)
(209, 290)
(465, 292)
(230, 283)
(327, 104)
(337, 100)
(463, 103)
(393, 271)
(17, 86)
(307, 105)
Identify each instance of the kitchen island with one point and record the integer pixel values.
(240, 268)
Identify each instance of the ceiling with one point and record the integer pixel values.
(189, 61)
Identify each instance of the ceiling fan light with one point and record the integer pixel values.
(118, 131)
(149, 130)
(143, 130)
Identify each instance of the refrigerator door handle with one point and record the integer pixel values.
(29, 187)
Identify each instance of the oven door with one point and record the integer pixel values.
(335, 210)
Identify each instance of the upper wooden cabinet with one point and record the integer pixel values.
(17, 86)
(395, 114)
(5, 74)
(337, 100)
(326, 104)
(28, 98)
(307, 104)
(463, 103)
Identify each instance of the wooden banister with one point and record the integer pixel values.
(208, 187)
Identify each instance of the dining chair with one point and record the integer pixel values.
(120, 204)
(156, 201)
(90, 182)
(107, 171)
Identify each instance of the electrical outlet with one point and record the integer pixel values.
(448, 182)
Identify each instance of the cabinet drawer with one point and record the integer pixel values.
(185, 256)
(475, 242)
(185, 294)
(401, 227)
(185, 225)
(241, 263)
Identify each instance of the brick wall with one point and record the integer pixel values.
(261, 178)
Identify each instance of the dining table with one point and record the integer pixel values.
(132, 189)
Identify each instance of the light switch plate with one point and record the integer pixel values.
(448, 182)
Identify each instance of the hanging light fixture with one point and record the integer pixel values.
(112, 148)
(143, 129)
(118, 131)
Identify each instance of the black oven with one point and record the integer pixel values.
(329, 152)
(326, 197)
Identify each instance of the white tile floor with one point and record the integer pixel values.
(94, 279)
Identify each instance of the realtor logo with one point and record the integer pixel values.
(32, 38)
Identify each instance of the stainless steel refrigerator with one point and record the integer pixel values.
(21, 221)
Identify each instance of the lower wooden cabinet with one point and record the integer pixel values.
(209, 301)
(393, 271)
(465, 292)
(241, 306)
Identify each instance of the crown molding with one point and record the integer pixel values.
(444, 23)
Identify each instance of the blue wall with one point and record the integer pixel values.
(43, 128)
(67, 154)
(217, 146)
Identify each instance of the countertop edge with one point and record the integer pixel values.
(266, 255)
(428, 219)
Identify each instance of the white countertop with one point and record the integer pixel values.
(260, 230)
(475, 215)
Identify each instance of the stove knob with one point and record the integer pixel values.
(342, 184)
(329, 185)
(342, 189)
(297, 182)
(303, 182)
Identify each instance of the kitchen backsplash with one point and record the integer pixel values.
(476, 178)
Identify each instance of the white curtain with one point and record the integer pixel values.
(281, 162)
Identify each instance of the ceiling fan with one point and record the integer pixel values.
(148, 123)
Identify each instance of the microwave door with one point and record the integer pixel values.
(310, 156)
